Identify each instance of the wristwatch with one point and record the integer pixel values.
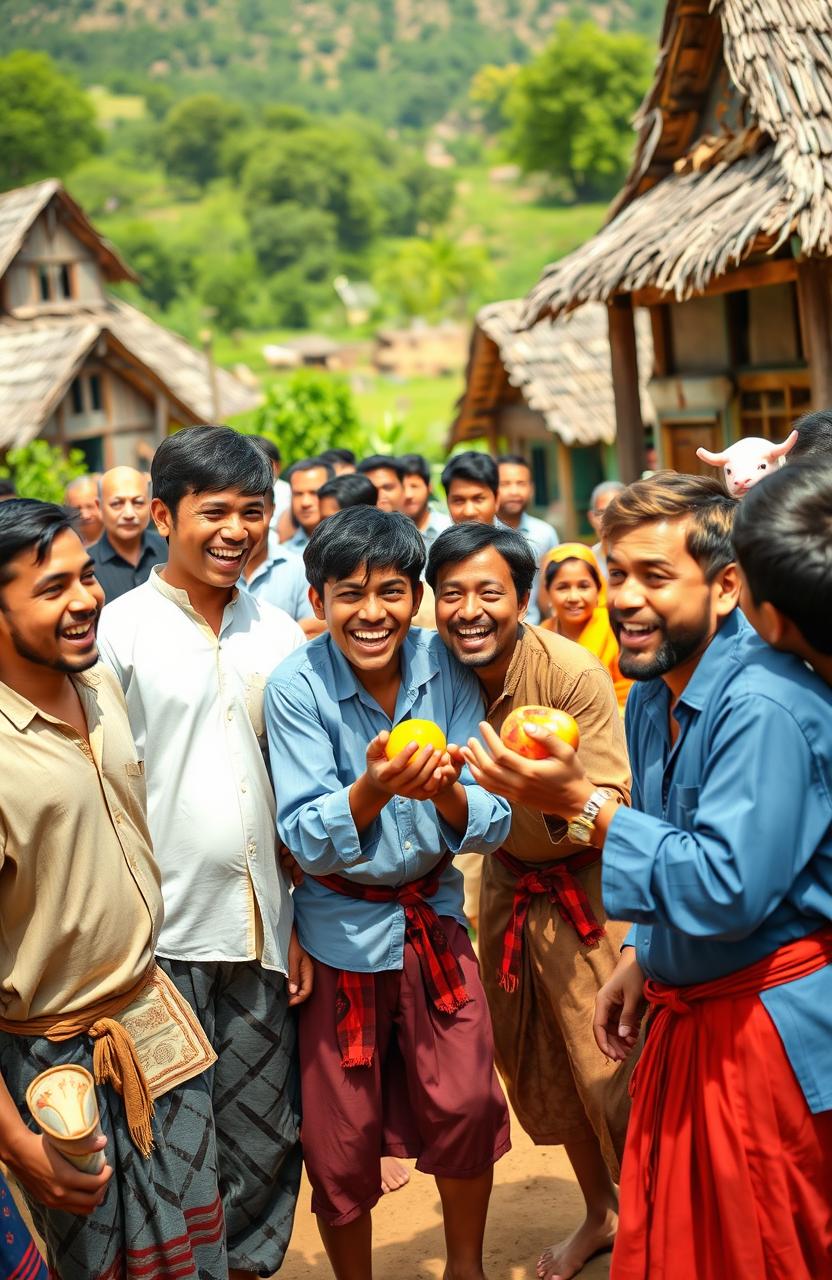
(580, 829)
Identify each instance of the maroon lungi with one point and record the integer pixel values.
(431, 1093)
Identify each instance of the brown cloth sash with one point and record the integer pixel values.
(566, 893)
(355, 1011)
(115, 1060)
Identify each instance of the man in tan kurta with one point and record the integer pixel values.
(80, 910)
(542, 991)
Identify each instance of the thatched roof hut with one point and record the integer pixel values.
(559, 371)
(78, 365)
(730, 191)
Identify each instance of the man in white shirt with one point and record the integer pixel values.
(192, 654)
(513, 498)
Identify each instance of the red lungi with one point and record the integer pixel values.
(430, 1092)
(726, 1173)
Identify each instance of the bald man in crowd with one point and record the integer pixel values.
(127, 549)
(82, 496)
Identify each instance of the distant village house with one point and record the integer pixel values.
(78, 366)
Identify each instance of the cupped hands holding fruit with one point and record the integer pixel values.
(533, 761)
(413, 760)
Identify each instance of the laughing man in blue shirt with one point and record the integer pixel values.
(725, 863)
(397, 1056)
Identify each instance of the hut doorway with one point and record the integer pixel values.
(682, 439)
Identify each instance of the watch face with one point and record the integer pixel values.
(579, 831)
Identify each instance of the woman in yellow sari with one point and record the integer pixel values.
(578, 597)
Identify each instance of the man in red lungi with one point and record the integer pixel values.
(725, 863)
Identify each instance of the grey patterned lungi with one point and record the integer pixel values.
(245, 1013)
(162, 1216)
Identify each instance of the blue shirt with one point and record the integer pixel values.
(297, 541)
(727, 852)
(281, 581)
(541, 538)
(320, 719)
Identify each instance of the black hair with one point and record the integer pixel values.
(814, 436)
(553, 567)
(333, 456)
(366, 538)
(350, 491)
(783, 542)
(416, 464)
(310, 464)
(479, 468)
(378, 460)
(515, 460)
(7, 489)
(208, 460)
(269, 448)
(463, 540)
(28, 524)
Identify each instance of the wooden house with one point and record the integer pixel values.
(723, 231)
(420, 351)
(546, 393)
(78, 366)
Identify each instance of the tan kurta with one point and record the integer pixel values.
(80, 903)
(561, 1087)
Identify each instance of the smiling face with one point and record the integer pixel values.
(663, 611)
(471, 500)
(49, 611)
(368, 617)
(306, 508)
(211, 537)
(477, 610)
(573, 593)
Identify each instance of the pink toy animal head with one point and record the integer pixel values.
(747, 461)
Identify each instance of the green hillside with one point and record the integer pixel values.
(401, 62)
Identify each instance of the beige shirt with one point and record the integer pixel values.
(548, 670)
(80, 902)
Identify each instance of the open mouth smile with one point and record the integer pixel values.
(371, 641)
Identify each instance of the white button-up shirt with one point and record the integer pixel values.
(195, 702)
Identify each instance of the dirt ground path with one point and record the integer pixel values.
(535, 1202)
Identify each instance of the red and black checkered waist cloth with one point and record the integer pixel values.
(355, 999)
(566, 894)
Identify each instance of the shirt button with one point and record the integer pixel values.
(243, 788)
(118, 818)
(408, 844)
(230, 713)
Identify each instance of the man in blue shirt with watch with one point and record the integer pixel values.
(725, 863)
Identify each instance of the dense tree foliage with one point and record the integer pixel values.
(47, 122)
(571, 109)
(401, 64)
(194, 134)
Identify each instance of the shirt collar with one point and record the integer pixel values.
(107, 552)
(182, 600)
(21, 712)
(419, 662)
(711, 665)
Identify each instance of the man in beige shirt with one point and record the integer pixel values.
(80, 910)
(546, 946)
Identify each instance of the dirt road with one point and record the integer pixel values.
(535, 1202)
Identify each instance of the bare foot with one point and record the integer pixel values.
(394, 1174)
(564, 1260)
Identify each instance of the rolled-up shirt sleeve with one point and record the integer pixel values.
(314, 819)
(750, 828)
